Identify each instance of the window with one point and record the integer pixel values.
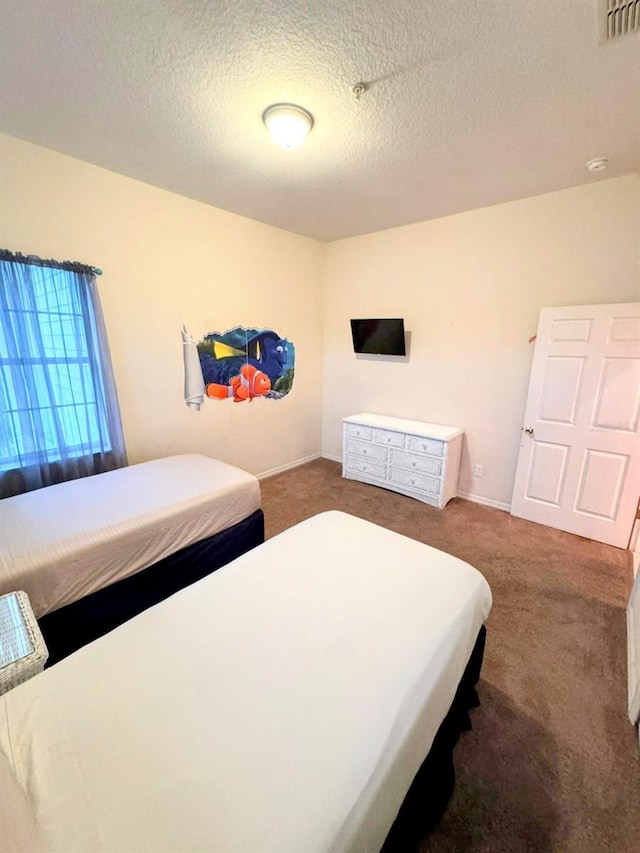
(57, 401)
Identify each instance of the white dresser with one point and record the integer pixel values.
(411, 457)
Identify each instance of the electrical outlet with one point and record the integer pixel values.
(478, 470)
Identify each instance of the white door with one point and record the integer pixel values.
(579, 463)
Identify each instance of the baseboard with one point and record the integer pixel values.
(467, 496)
(479, 499)
(287, 466)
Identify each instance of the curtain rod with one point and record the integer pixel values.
(35, 260)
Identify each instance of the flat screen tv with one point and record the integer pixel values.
(378, 337)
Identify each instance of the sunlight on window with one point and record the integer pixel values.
(49, 395)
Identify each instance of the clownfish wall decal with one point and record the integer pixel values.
(249, 384)
(239, 364)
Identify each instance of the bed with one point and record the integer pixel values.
(284, 703)
(92, 553)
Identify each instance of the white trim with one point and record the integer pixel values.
(273, 471)
(633, 665)
(480, 499)
(634, 545)
(467, 496)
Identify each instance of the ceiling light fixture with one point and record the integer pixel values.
(288, 124)
(597, 164)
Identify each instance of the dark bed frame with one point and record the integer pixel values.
(428, 797)
(68, 629)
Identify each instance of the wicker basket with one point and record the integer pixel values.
(22, 649)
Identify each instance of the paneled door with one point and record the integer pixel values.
(579, 463)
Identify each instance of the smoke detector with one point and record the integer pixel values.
(597, 164)
(618, 18)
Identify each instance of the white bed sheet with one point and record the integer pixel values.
(282, 704)
(65, 541)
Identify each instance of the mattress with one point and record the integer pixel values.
(282, 704)
(65, 541)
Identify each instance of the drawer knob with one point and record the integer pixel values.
(413, 464)
(365, 451)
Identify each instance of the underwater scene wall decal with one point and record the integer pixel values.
(239, 364)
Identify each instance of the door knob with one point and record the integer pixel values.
(529, 430)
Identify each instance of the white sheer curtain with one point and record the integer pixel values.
(59, 416)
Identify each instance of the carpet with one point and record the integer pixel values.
(552, 763)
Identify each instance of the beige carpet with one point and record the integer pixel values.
(552, 763)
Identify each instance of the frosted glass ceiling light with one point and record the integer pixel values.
(288, 124)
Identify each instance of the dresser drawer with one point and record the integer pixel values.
(388, 437)
(414, 480)
(364, 466)
(425, 445)
(414, 462)
(371, 451)
(358, 431)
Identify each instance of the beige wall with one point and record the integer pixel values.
(470, 287)
(168, 260)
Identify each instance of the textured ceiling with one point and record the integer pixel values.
(471, 102)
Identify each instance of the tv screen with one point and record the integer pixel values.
(378, 337)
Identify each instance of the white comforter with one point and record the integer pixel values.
(65, 541)
(281, 705)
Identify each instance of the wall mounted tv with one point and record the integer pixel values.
(378, 337)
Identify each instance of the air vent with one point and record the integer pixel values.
(620, 17)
